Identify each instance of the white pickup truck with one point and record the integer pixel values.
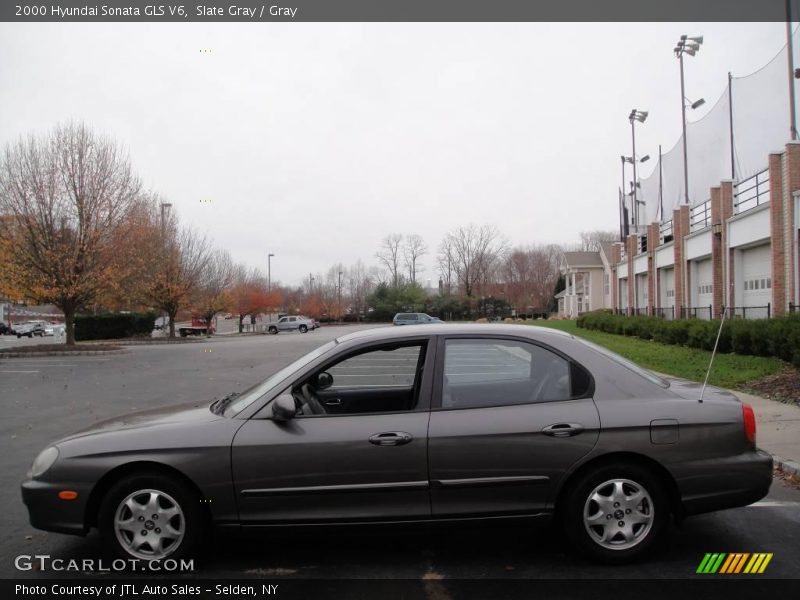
(299, 323)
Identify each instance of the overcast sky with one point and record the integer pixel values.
(314, 141)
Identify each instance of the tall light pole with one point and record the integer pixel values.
(690, 46)
(269, 271)
(340, 295)
(641, 116)
(165, 206)
(635, 207)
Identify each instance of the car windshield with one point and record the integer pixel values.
(649, 375)
(250, 395)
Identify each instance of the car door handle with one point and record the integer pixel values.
(563, 429)
(333, 402)
(390, 438)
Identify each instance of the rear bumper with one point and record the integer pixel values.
(726, 482)
(48, 512)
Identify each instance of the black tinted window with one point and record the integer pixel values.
(381, 380)
(482, 372)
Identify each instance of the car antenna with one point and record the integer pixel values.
(713, 353)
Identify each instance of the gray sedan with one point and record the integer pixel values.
(414, 424)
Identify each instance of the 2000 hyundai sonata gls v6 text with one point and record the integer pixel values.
(442, 422)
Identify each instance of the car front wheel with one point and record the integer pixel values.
(616, 513)
(151, 517)
(273, 330)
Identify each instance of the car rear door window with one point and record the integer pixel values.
(480, 373)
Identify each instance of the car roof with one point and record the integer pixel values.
(388, 332)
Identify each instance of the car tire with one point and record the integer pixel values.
(303, 328)
(174, 503)
(273, 330)
(602, 499)
(19, 335)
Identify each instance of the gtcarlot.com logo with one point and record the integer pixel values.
(734, 563)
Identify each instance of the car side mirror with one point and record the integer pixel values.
(284, 408)
(324, 380)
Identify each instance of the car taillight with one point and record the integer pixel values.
(749, 418)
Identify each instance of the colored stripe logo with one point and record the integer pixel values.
(734, 563)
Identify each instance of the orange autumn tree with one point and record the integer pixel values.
(213, 295)
(249, 295)
(67, 194)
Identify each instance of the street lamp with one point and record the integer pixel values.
(340, 295)
(165, 206)
(690, 46)
(641, 116)
(629, 160)
(269, 271)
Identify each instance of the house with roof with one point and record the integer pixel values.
(588, 281)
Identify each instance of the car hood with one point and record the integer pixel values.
(187, 412)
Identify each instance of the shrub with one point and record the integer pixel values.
(114, 326)
(779, 337)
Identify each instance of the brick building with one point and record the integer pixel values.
(737, 251)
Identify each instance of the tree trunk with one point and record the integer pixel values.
(171, 316)
(69, 324)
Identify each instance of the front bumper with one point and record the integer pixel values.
(726, 482)
(48, 512)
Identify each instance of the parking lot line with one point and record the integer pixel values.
(4, 371)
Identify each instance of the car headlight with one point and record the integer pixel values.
(43, 462)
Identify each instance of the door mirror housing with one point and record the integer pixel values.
(284, 408)
(324, 380)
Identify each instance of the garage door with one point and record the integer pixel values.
(756, 276)
(667, 287)
(703, 291)
(641, 291)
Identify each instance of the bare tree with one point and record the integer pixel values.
(591, 240)
(182, 258)
(214, 290)
(359, 285)
(472, 252)
(67, 194)
(389, 256)
(543, 274)
(444, 260)
(413, 250)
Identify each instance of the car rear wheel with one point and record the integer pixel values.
(303, 328)
(150, 517)
(273, 330)
(616, 513)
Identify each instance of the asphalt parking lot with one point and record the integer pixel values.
(45, 398)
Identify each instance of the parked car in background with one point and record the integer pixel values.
(292, 323)
(414, 319)
(394, 425)
(4, 329)
(30, 328)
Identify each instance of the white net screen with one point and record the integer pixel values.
(760, 126)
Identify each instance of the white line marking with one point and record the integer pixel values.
(19, 371)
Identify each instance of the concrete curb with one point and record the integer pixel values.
(786, 466)
(57, 353)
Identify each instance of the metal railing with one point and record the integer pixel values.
(751, 192)
(793, 308)
(749, 312)
(667, 313)
(697, 312)
(640, 312)
(700, 216)
(666, 231)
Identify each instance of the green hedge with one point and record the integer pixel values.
(114, 326)
(779, 337)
